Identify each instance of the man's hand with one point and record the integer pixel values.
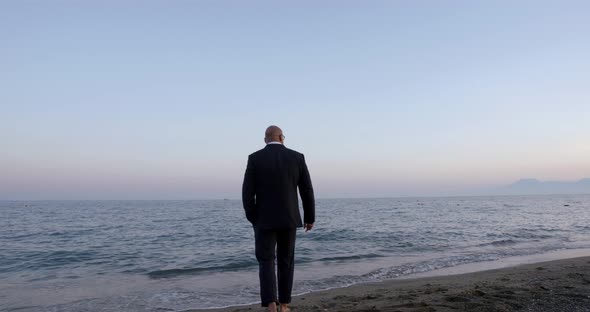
(308, 226)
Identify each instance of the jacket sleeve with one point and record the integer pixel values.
(249, 192)
(306, 192)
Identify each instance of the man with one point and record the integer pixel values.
(269, 195)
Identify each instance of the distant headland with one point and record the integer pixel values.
(531, 186)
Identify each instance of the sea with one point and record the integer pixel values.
(179, 255)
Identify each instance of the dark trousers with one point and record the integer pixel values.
(283, 241)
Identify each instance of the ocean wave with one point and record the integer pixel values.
(497, 243)
(352, 257)
(340, 234)
(245, 264)
(413, 268)
(231, 266)
(526, 234)
(45, 260)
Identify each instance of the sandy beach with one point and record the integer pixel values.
(559, 285)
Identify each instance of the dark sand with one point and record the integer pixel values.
(561, 285)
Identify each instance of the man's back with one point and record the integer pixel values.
(269, 195)
(270, 187)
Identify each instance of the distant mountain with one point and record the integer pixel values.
(534, 186)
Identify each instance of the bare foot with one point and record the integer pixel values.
(285, 308)
(272, 307)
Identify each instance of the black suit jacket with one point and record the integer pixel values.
(269, 192)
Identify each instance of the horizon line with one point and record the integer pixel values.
(328, 197)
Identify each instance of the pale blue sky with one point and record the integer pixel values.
(165, 99)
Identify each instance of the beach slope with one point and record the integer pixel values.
(560, 285)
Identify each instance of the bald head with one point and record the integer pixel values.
(273, 134)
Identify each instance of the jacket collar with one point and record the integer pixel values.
(274, 145)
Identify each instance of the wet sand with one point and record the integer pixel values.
(560, 285)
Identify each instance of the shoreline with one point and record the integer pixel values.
(557, 285)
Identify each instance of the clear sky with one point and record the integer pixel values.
(166, 99)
